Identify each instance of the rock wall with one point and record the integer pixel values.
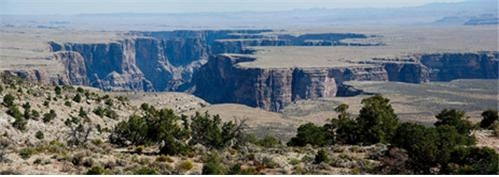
(28, 75)
(221, 80)
(192, 61)
(162, 61)
(110, 66)
(450, 66)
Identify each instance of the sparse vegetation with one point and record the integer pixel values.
(489, 117)
(211, 132)
(268, 141)
(145, 171)
(96, 170)
(213, 165)
(187, 143)
(58, 90)
(8, 100)
(78, 131)
(39, 135)
(26, 153)
(51, 115)
(321, 156)
(185, 165)
(77, 98)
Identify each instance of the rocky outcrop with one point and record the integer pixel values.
(450, 66)
(196, 61)
(407, 72)
(163, 61)
(221, 80)
(31, 75)
(110, 66)
(74, 63)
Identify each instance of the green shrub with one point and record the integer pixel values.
(164, 158)
(213, 165)
(185, 165)
(311, 134)
(419, 141)
(97, 142)
(294, 161)
(237, 170)
(58, 90)
(209, 131)
(122, 98)
(454, 118)
(35, 115)
(321, 156)
(96, 170)
(68, 103)
(152, 128)
(37, 161)
(348, 131)
(174, 147)
(145, 171)
(135, 130)
(47, 117)
(473, 160)
(8, 100)
(26, 153)
(428, 147)
(80, 90)
(39, 135)
(109, 102)
(139, 149)
(77, 98)
(27, 110)
(99, 111)
(20, 124)
(108, 112)
(488, 118)
(82, 113)
(377, 120)
(111, 113)
(14, 111)
(268, 141)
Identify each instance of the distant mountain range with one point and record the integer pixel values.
(475, 12)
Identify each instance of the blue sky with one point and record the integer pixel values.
(183, 6)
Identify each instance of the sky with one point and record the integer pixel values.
(33, 7)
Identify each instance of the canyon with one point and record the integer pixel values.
(217, 65)
(268, 69)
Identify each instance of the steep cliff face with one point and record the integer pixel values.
(74, 63)
(221, 80)
(193, 61)
(108, 66)
(164, 61)
(151, 61)
(450, 66)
